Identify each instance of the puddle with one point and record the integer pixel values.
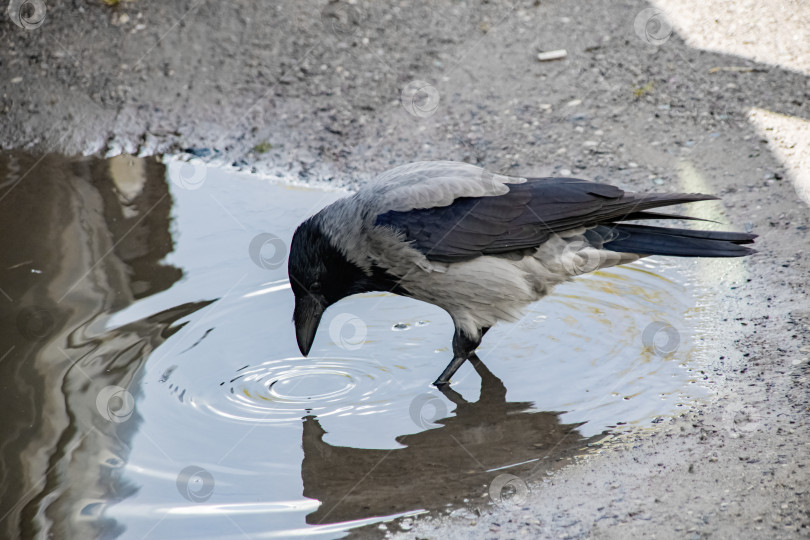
(153, 387)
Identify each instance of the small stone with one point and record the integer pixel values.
(462, 513)
(574, 103)
(552, 55)
(305, 157)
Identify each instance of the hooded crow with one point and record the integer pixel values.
(481, 246)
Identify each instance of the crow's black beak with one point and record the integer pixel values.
(307, 316)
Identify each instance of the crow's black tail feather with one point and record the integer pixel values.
(649, 240)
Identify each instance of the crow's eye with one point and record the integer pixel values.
(315, 287)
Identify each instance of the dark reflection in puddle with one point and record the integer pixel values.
(452, 464)
(152, 385)
(77, 248)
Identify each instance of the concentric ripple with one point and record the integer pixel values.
(287, 389)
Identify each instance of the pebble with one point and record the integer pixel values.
(306, 157)
(462, 513)
(198, 152)
(552, 55)
(574, 103)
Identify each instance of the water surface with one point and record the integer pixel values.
(153, 387)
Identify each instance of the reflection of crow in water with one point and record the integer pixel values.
(439, 466)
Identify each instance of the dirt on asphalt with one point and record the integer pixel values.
(338, 92)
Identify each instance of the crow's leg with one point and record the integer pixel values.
(463, 347)
(493, 392)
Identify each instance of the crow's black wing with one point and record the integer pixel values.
(524, 217)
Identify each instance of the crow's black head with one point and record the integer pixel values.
(320, 275)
